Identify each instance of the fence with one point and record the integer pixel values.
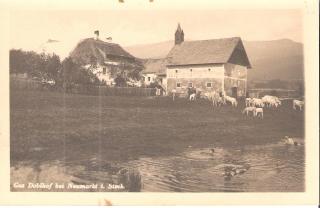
(126, 91)
(113, 91)
(282, 93)
(28, 84)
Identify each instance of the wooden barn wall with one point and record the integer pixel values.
(239, 56)
(229, 83)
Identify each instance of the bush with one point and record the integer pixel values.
(120, 81)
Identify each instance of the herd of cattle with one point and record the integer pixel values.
(253, 106)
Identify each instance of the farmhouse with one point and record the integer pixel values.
(208, 65)
(106, 60)
(155, 72)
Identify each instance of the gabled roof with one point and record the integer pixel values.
(98, 49)
(154, 66)
(226, 50)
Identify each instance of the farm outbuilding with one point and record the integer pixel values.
(155, 72)
(208, 65)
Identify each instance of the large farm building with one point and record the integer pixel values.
(208, 65)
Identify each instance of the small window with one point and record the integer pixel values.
(190, 84)
(177, 71)
(209, 69)
(191, 70)
(238, 82)
(104, 70)
(178, 84)
(149, 79)
(209, 84)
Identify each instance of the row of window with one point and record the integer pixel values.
(191, 70)
(190, 84)
(208, 84)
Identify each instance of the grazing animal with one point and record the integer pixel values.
(192, 97)
(258, 112)
(214, 97)
(248, 102)
(297, 103)
(257, 102)
(249, 109)
(221, 101)
(232, 100)
(271, 101)
(206, 96)
(173, 94)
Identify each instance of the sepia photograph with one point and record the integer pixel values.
(156, 100)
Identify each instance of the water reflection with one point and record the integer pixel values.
(272, 168)
(276, 167)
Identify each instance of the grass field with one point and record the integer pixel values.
(48, 126)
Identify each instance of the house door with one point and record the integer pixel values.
(234, 92)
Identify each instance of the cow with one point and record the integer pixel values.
(297, 103)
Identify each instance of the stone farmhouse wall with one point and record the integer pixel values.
(207, 78)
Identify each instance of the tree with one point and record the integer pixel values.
(17, 61)
(127, 70)
(44, 66)
(120, 81)
(72, 74)
(52, 66)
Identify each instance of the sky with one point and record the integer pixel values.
(30, 30)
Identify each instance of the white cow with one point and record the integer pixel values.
(297, 103)
(206, 96)
(271, 101)
(258, 112)
(214, 97)
(248, 102)
(257, 102)
(249, 109)
(232, 100)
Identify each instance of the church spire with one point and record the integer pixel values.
(179, 35)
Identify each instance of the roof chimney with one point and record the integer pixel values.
(96, 35)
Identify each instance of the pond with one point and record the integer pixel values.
(273, 168)
(264, 168)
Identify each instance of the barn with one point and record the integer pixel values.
(208, 65)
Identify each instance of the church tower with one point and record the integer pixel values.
(179, 35)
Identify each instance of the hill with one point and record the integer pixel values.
(274, 59)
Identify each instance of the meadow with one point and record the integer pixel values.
(51, 126)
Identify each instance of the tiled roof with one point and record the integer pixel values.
(208, 52)
(156, 66)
